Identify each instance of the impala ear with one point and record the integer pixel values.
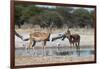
(68, 31)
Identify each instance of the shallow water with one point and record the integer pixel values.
(53, 52)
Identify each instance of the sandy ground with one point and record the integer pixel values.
(20, 60)
(87, 41)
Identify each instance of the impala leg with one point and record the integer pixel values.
(70, 45)
(44, 48)
(27, 50)
(30, 44)
(44, 43)
(34, 42)
(58, 47)
(43, 51)
(78, 49)
(73, 44)
(33, 51)
(76, 44)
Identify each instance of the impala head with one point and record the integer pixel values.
(68, 33)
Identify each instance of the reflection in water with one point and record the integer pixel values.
(54, 52)
(76, 53)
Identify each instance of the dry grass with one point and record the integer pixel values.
(81, 31)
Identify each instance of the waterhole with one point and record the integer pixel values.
(54, 52)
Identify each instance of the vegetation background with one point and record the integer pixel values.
(48, 16)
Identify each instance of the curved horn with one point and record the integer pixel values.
(18, 35)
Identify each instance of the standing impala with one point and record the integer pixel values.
(42, 36)
(74, 39)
